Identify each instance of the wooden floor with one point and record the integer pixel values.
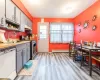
(56, 66)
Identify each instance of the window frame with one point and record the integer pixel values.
(62, 32)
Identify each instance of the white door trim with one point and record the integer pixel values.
(45, 23)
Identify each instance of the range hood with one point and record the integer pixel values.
(27, 27)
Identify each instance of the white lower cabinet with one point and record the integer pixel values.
(8, 64)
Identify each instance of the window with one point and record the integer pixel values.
(43, 32)
(61, 32)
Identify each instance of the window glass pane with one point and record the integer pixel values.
(42, 36)
(64, 38)
(43, 32)
(70, 37)
(43, 27)
(65, 27)
(55, 38)
(55, 27)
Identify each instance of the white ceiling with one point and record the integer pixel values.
(57, 8)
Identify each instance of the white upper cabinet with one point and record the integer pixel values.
(18, 15)
(23, 22)
(2, 13)
(10, 10)
(29, 23)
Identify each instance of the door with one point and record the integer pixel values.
(43, 39)
(10, 8)
(2, 14)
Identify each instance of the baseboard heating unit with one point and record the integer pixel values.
(60, 50)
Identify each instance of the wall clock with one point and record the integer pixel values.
(94, 27)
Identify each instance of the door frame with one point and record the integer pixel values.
(45, 23)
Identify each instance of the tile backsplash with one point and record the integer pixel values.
(13, 34)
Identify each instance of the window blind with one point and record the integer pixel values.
(61, 32)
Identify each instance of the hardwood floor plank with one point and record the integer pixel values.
(56, 66)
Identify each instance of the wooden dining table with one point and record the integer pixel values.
(90, 50)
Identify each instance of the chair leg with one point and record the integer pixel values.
(81, 60)
(99, 66)
(73, 58)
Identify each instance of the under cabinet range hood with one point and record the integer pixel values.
(2, 36)
(27, 27)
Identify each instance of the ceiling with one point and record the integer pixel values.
(56, 8)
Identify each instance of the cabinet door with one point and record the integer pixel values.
(18, 15)
(22, 27)
(24, 56)
(28, 52)
(19, 61)
(2, 12)
(7, 63)
(10, 8)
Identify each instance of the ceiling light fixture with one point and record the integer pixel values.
(69, 7)
(67, 10)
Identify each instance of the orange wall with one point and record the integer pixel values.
(87, 34)
(21, 6)
(52, 46)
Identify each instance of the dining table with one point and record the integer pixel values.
(90, 50)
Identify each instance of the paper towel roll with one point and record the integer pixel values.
(2, 36)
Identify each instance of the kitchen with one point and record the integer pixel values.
(39, 38)
(15, 39)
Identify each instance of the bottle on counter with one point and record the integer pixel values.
(94, 45)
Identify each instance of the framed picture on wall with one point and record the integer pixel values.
(94, 18)
(94, 27)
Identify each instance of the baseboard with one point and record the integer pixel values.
(60, 50)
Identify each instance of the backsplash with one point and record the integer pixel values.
(13, 34)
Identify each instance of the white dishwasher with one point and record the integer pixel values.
(8, 63)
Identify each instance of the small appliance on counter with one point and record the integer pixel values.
(22, 38)
(2, 36)
(98, 44)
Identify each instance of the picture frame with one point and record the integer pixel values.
(94, 18)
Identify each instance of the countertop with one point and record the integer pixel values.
(7, 45)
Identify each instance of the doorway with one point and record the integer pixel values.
(43, 38)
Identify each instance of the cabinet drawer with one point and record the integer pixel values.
(7, 63)
(28, 44)
(20, 47)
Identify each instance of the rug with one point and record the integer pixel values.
(29, 72)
